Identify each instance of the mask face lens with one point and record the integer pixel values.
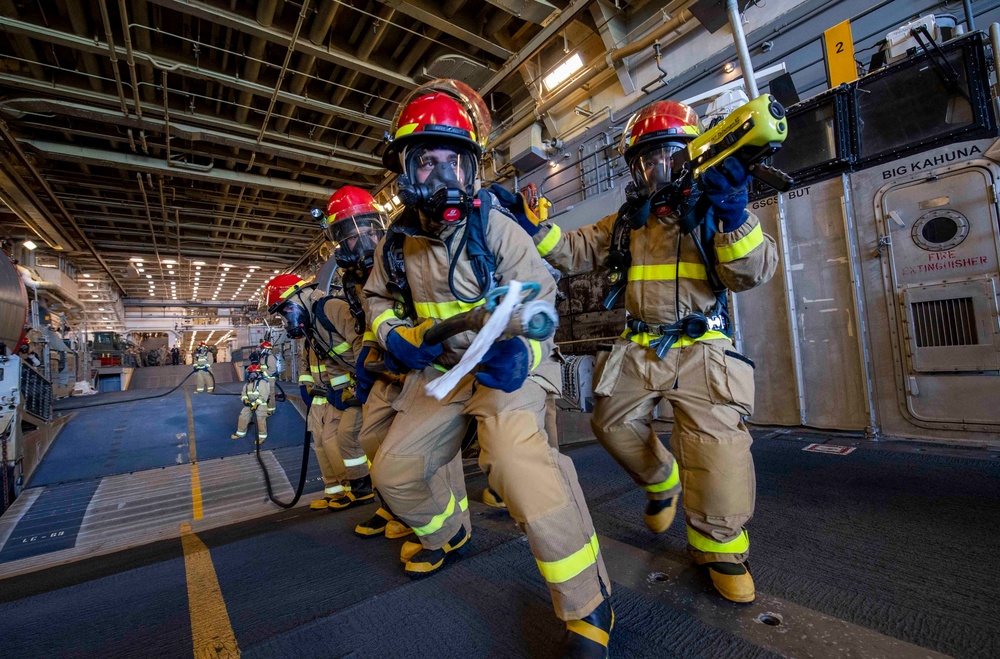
(355, 239)
(437, 167)
(295, 320)
(657, 167)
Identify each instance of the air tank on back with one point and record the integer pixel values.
(13, 305)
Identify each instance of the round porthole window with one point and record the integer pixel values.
(940, 230)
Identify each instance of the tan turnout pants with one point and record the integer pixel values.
(246, 413)
(538, 483)
(710, 387)
(322, 421)
(202, 381)
(378, 415)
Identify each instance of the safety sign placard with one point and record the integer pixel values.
(829, 448)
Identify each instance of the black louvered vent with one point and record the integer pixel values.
(944, 323)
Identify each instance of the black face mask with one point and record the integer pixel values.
(441, 197)
(297, 320)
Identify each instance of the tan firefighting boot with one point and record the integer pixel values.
(492, 499)
(733, 581)
(660, 514)
(588, 638)
(428, 561)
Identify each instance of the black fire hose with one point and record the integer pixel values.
(135, 400)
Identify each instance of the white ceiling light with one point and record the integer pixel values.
(136, 259)
(86, 276)
(30, 245)
(90, 283)
(562, 72)
(171, 261)
(94, 296)
(149, 276)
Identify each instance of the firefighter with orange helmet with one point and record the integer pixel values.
(675, 266)
(450, 247)
(202, 369)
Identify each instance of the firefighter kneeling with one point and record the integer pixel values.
(674, 264)
(450, 247)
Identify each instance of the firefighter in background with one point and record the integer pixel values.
(676, 265)
(269, 367)
(254, 397)
(449, 248)
(326, 384)
(202, 369)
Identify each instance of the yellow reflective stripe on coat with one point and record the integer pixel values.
(444, 310)
(356, 462)
(341, 349)
(340, 379)
(566, 568)
(741, 247)
(550, 241)
(536, 353)
(369, 336)
(319, 400)
(438, 520)
(381, 318)
(314, 368)
(673, 481)
(667, 272)
(306, 378)
(737, 545)
(463, 504)
(645, 338)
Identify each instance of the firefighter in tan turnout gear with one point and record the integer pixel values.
(269, 369)
(326, 386)
(254, 397)
(202, 369)
(450, 247)
(674, 267)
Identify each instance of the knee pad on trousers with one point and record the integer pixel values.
(401, 480)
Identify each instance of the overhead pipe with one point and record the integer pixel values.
(970, 20)
(597, 67)
(152, 231)
(114, 58)
(742, 52)
(16, 106)
(130, 60)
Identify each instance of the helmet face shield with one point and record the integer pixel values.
(296, 319)
(658, 166)
(355, 238)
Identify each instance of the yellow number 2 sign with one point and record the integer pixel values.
(839, 46)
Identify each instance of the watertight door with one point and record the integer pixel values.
(943, 248)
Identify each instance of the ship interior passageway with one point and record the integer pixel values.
(855, 555)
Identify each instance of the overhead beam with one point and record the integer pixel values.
(137, 163)
(533, 11)
(251, 27)
(613, 32)
(85, 45)
(457, 26)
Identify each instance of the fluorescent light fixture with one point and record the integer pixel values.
(277, 271)
(562, 72)
(171, 261)
(149, 276)
(395, 200)
(197, 267)
(100, 308)
(90, 283)
(86, 276)
(95, 296)
(136, 259)
(30, 245)
(198, 262)
(140, 270)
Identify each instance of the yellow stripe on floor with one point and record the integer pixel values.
(211, 630)
(195, 480)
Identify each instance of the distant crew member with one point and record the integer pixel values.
(254, 397)
(175, 356)
(451, 246)
(202, 369)
(675, 270)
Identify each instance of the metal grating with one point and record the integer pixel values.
(37, 392)
(944, 323)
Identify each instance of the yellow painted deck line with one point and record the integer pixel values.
(195, 480)
(211, 630)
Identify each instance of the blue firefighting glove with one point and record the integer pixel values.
(365, 379)
(504, 366)
(725, 185)
(336, 398)
(407, 346)
(515, 204)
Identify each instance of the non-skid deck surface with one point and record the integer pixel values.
(874, 554)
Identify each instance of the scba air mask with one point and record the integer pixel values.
(439, 183)
(658, 179)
